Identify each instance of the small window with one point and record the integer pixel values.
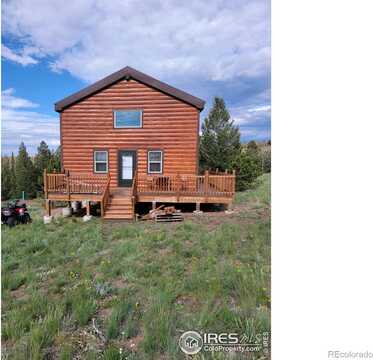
(155, 158)
(127, 119)
(100, 161)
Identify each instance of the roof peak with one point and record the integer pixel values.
(136, 75)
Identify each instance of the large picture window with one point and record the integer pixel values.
(127, 119)
(155, 162)
(100, 161)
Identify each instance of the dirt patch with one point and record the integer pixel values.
(119, 283)
(104, 313)
(188, 301)
(164, 252)
(133, 343)
(19, 293)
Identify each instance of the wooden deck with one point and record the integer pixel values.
(119, 202)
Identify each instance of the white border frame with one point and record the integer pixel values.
(95, 162)
(161, 162)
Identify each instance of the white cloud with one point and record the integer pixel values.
(24, 58)
(8, 100)
(250, 115)
(218, 40)
(21, 124)
(256, 134)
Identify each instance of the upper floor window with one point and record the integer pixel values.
(100, 161)
(127, 119)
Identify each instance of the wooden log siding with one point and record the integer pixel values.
(168, 124)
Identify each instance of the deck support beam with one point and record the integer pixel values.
(48, 207)
(154, 205)
(229, 209)
(198, 209)
(102, 208)
(88, 208)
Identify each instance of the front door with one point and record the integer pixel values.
(126, 167)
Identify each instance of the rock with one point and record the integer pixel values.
(87, 218)
(47, 219)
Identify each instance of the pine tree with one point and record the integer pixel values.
(6, 189)
(43, 160)
(220, 140)
(56, 159)
(12, 177)
(25, 173)
(252, 146)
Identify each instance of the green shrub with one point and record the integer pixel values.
(66, 352)
(42, 335)
(83, 306)
(158, 323)
(248, 167)
(16, 324)
(111, 353)
(265, 156)
(13, 282)
(119, 313)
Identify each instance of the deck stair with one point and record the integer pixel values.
(119, 206)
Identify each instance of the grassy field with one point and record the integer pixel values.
(96, 290)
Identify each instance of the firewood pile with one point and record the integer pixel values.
(164, 214)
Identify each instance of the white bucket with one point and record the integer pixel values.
(67, 211)
(75, 205)
(47, 219)
(87, 218)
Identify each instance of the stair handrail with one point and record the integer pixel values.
(134, 192)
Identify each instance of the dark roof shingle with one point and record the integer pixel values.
(129, 72)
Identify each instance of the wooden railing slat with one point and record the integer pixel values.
(219, 185)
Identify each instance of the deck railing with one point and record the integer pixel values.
(208, 184)
(187, 185)
(65, 183)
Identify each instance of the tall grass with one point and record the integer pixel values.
(143, 282)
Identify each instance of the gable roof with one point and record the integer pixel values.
(127, 73)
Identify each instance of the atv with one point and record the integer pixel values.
(15, 213)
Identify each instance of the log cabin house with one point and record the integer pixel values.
(130, 138)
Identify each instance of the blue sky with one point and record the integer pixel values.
(52, 48)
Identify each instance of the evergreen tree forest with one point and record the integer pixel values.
(23, 174)
(221, 149)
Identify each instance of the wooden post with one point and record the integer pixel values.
(45, 184)
(206, 181)
(48, 206)
(88, 208)
(234, 181)
(178, 185)
(198, 206)
(102, 208)
(154, 205)
(68, 184)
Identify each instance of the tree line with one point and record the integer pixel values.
(221, 148)
(24, 173)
